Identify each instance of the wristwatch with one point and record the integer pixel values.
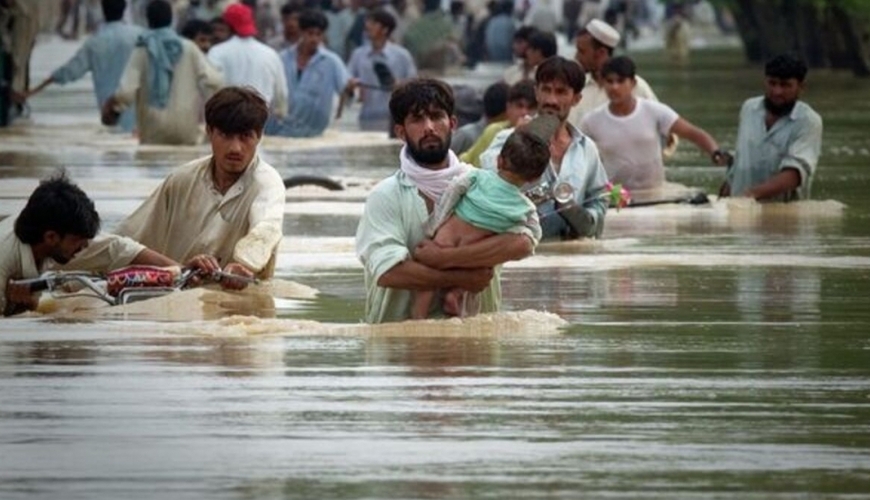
(717, 155)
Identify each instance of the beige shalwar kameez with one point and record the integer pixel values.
(187, 216)
(194, 80)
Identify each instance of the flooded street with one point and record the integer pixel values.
(715, 351)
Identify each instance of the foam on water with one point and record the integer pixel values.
(526, 322)
(204, 303)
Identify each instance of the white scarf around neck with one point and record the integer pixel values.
(431, 183)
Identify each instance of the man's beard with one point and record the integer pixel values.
(424, 156)
(60, 258)
(778, 109)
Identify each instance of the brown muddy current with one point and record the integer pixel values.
(694, 352)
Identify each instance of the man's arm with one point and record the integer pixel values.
(488, 252)
(265, 220)
(130, 81)
(696, 135)
(382, 247)
(148, 257)
(786, 181)
(281, 100)
(209, 77)
(412, 275)
(799, 163)
(595, 201)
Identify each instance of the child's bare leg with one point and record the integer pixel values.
(458, 302)
(422, 303)
(453, 233)
(453, 300)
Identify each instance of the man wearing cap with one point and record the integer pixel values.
(595, 45)
(244, 60)
(168, 78)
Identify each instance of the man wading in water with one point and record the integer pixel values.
(396, 211)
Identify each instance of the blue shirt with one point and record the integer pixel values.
(310, 92)
(105, 55)
(375, 112)
(794, 141)
(498, 38)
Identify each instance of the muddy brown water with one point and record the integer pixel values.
(695, 352)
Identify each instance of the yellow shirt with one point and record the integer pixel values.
(472, 155)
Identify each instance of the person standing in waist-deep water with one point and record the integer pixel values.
(483, 203)
(244, 60)
(779, 139)
(629, 131)
(226, 209)
(165, 78)
(105, 56)
(392, 226)
(57, 230)
(314, 76)
(374, 94)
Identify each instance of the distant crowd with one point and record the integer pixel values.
(559, 142)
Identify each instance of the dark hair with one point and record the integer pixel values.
(218, 20)
(310, 18)
(290, 8)
(236, 110)
(565, 70)
(57, 205)
(113, 10)
(596, 44)
(495, 99)
(526, 154)
(523, 90)
(250, 3)
(524, 33)
(418, 96)
(786, 66)
(195, 27)
(383, 18)
(621, 66)
(544, 42)
(159, 14)
(431, 5)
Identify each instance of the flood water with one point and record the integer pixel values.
(706, 352)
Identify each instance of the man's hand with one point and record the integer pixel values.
(108, 115)
(429, 254)
(722, 158)
(476, 280)
(204, 264)
(19, 298)
(19, 97)
(238, 270)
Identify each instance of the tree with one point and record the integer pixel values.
(827, 33)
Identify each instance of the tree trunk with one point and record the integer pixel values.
(854, 31)
(747, 29)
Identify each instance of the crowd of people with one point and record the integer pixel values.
(433, 234)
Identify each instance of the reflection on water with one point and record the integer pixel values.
(716, 351)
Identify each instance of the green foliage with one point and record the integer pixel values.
(851, 6)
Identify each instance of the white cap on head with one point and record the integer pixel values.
(603, 32)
